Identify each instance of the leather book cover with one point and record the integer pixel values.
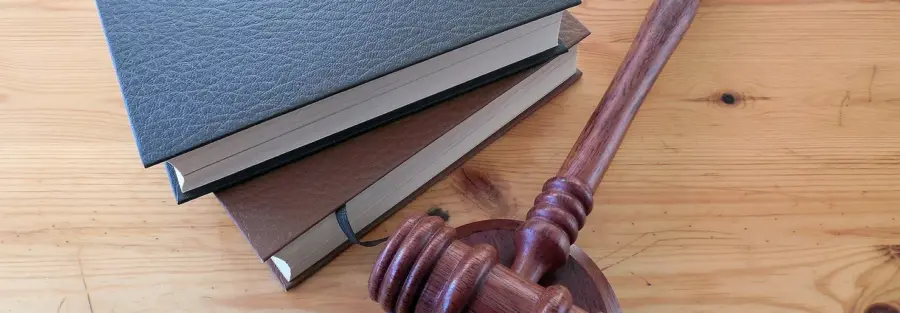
(267, 209)
(192, 72)
(337, 138)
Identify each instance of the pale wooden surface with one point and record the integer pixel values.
(785, 202)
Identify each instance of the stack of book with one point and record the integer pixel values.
(311, 118)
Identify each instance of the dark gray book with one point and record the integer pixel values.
(220, 90)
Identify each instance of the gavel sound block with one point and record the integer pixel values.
(425, 267)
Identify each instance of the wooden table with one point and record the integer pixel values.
(787, 201)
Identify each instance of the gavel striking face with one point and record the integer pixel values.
(424, 268)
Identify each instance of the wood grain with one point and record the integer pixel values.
(787, 201)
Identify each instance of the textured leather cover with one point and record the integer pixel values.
(274, 163)
(192, 72)
(273, 209)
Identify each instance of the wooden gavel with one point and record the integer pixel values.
(424, 269)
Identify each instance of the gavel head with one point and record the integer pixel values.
(424, 268)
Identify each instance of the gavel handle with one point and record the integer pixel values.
(559, 212)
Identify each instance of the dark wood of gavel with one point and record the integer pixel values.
(424, 269)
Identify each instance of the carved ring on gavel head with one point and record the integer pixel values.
(423, 260)
(424, 269)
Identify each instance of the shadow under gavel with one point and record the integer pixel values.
(424, 268)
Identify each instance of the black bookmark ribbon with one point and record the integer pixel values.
(344, 223)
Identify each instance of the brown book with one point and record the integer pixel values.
(288, 215)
